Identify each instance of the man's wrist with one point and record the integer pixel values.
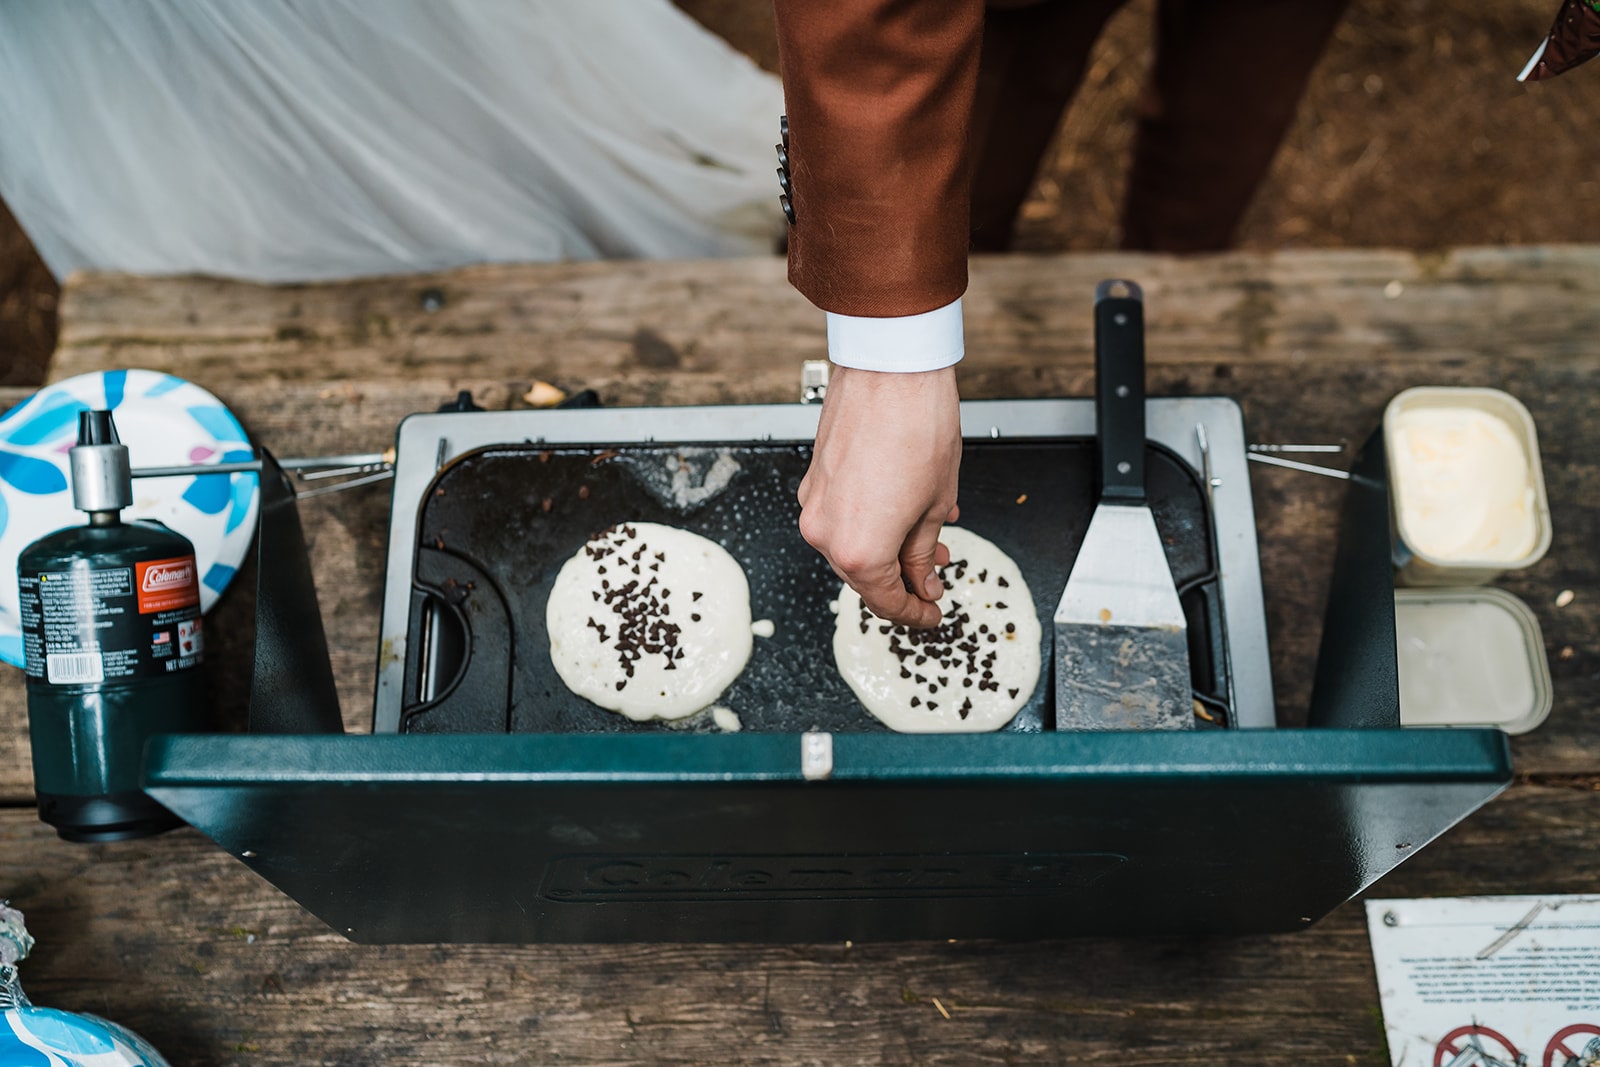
(932, 340)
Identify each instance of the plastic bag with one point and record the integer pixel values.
(47, 1037)
(330, 138)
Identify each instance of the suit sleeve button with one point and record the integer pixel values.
(788, 208)
(783, 129)
(783, 181)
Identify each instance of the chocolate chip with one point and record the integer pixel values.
(694, 618)
(1013, 693)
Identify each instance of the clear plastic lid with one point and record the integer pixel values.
(1470, 657)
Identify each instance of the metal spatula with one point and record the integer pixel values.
(1122, 651)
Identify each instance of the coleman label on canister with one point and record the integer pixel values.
(84, 625)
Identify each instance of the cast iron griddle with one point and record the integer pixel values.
(498, 524)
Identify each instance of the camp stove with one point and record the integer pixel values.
(491, 805)
(480, 526)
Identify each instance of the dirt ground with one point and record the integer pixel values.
(1413, 134)
(27, 307)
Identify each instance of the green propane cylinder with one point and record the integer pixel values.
(112, 642)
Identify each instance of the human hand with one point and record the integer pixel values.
(881, 485)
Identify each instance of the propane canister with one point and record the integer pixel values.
(112, 644)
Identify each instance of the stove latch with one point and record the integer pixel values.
(816, 756)
(813, 381)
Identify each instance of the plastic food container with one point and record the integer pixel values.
(1470, 657)
(1466, 486)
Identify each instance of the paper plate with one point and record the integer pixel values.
(165, 421)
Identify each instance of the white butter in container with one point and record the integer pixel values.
(1465, 484)
(1470, 657)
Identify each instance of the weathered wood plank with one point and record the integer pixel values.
(1312, 344)
(217, 968)
(724, 316)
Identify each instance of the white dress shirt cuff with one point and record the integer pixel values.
(906, 344)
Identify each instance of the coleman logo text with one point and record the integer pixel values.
(776, 877)
(159, 577)
(167, 584)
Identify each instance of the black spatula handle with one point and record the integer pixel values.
(1119, 389)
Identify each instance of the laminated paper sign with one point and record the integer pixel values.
(1489, 981)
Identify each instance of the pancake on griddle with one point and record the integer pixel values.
(971, 673)
(650, 621)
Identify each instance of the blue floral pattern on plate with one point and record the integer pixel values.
(35, 477)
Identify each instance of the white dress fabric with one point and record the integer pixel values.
(289, 140)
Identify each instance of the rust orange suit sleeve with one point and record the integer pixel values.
(879, 96)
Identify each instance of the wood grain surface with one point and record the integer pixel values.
(216, 967)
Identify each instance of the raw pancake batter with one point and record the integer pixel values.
(650, 621)
(973, 672)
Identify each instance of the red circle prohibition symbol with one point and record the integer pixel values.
(1559, 1044)
(1452, 1045)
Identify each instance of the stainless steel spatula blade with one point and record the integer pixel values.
(1122, 648)
(1121, 641)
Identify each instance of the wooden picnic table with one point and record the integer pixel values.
(183, 943)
